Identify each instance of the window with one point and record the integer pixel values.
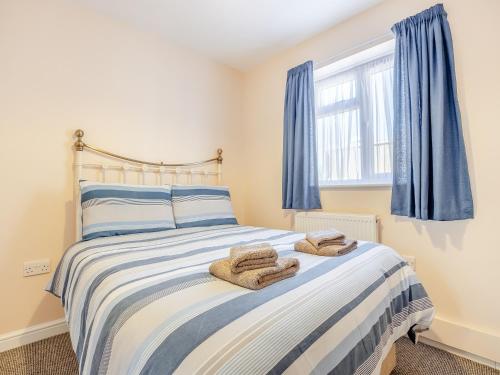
(354, 117)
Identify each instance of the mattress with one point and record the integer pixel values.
(146, 304)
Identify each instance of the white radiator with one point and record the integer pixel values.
(354, 226)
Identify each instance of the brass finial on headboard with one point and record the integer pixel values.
(79, 142)
(219, 155)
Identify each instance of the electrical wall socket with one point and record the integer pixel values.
(412, 262)
(36, 267)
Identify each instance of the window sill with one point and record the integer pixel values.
(350, 185)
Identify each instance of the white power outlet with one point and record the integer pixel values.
(36, 267)
(412, 262)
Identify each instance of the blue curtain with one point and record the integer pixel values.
(300, 171)
(431, 181)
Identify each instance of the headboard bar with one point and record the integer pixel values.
(80, 146)
(121, 166)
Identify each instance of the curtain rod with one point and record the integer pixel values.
(350, 51)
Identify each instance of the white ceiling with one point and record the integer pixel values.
(239, 33)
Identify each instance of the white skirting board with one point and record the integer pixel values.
(463, 341)
(31, 334)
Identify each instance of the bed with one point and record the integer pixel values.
(145, 303)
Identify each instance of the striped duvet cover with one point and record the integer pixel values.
(146, 304)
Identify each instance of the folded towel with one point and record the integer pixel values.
(305, 246)
(322, 238)
(258, 278)
(250, 257)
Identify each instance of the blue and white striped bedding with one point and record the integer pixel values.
(146, 304)
(114, 209)
(201, 206)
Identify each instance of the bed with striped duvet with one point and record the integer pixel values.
(146, 304)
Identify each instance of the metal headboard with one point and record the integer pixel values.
(124, 168)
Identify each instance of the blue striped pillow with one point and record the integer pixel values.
(114, 209)
(202, 206)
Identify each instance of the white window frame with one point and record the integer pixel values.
(335, 66)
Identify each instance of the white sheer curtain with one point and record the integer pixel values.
(354, 124)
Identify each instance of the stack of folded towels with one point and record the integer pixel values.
(326, 243)
(254, 266)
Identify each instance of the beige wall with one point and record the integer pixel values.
(63, 67)
(458, 262)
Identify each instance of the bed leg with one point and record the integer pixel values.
(389, 362)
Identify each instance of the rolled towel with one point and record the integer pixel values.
(305, 246)
(257, 278)
(250, 257)
(323, 238)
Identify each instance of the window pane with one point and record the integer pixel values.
(339, 147)
(335, 92)
(382, 155)
(380, 98)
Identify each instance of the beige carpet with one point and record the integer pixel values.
(423, 359)
(54, 356)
